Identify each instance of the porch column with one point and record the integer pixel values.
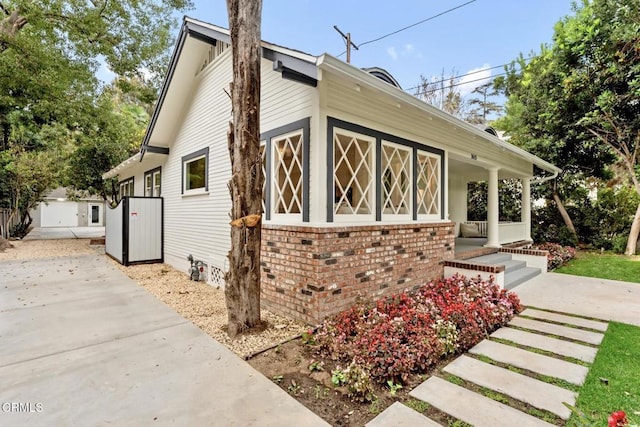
(526, 207)
(493, 210)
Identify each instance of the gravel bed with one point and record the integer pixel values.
(202, 304)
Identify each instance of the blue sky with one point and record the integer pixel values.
(481, 34)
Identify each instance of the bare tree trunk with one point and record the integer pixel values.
(632, 241)
(243, 279)
(563, 212)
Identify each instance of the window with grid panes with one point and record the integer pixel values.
(428, 185)
(287, 173)
(353, 166)
(396, 179)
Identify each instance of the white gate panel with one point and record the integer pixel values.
(113, 232)
(145, 229)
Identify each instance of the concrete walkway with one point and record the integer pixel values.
(50, 233)
(81, 344)
(585, 296)
(512, 349)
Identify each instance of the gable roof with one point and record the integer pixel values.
(196, 37)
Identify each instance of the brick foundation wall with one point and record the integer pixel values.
(309, 273)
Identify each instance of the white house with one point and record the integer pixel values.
(365, 185)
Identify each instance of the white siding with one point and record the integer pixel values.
(199, 224)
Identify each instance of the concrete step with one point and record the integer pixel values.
(521, 387)
(517, 277)
(513, 265)
(541, 364)
(399, 415)
(562, 318)
(471, 407)
(497, 258)
(562, 331)
(554, 345)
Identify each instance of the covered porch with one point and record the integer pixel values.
(489, 232)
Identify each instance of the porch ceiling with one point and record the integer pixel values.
(473, 170)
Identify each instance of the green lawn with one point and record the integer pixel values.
(613, 383)
(604, 266)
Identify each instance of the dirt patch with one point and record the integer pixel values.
(32, 249)
(288, 365)
(4, 244)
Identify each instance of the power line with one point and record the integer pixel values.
(459, 76)
(469, 74)
(412, 25)
(459, 84)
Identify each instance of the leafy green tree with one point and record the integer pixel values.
(112, 136)
(509, 201)
(577, 103)
(482, 107)
(50, 51)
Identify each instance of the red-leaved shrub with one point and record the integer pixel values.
(409, 332)
(558, 254)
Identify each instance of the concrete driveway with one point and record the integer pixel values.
(83, 345)
(49, 233)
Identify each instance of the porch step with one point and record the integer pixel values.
(513, 265)
(496, 258)
(517, 277)
(515, 272)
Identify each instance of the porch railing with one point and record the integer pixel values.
(482, 227)
(508, 232)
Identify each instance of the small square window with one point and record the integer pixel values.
(195, 172)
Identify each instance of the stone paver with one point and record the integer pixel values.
(471, 407)
(531, 361)
(521, 387)
(554, 345)
(562, 331)
(570, 320)
(399, 415)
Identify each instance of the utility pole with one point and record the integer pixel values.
(347, 39)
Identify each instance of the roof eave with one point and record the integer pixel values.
(117, 169)
(331, 63)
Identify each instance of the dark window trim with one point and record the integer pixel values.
(202, 152)
(150, 173)
(333, 123)
(128, 180)
(304, 125)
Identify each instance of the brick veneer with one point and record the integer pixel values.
(309, 273)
